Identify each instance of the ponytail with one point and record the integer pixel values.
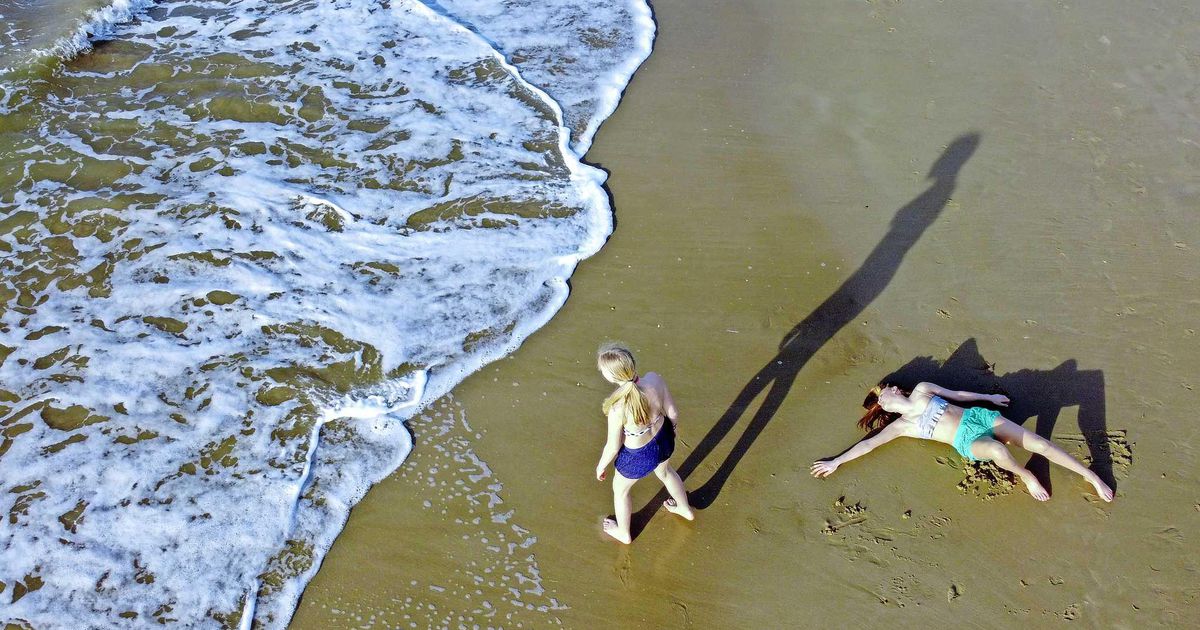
(630, 403)
(617, 364)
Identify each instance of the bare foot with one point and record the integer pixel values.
(1102, 489)
(674, 508)
(610, 528)
(1035, 487)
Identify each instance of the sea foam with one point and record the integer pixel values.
(242, 243)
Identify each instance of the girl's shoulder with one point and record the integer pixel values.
(653, 379)
(905, 425)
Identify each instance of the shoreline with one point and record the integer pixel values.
(756, 161)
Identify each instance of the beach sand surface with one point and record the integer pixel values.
(810, 197)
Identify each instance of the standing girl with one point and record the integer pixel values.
(642, 419)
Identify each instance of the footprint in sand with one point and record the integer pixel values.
(847, 531)
(844, 516)
(907, 589)
(937, 520)
(684, 613)
(933, 525)
(623, 569)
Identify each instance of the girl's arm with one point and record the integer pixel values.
(950, 394)
(825, 467)
(611, 447)
(669, 409)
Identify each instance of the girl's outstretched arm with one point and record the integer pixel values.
(825, 467)
(960, 396)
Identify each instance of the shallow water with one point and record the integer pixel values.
(241, 243)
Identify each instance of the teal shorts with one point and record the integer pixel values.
(976, 423)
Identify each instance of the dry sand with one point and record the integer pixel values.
(780, 247)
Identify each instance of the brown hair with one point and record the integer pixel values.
(617, 365)
(876, 417)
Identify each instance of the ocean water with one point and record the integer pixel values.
(241, 242)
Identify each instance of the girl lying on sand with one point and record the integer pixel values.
(641, 437)
(976, 433)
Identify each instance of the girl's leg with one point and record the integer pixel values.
(987, 448)
(678, 503)
(1010, 432)
(623, 505)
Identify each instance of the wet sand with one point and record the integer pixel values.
(780, 246)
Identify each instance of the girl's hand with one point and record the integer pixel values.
(601, 472)
(823, 468)
(999, 399)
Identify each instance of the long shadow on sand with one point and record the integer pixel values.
(803, 341)
(1040, 393)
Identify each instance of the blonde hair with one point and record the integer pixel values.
(617, 365)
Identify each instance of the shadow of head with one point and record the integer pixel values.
(954, 156)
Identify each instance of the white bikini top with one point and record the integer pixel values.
(644, 431)
(929, 418)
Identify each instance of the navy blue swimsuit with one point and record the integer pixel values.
(635, 463)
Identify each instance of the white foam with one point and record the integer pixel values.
(588, 86)
(96, 25)
(59, 28)
(209, 491)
